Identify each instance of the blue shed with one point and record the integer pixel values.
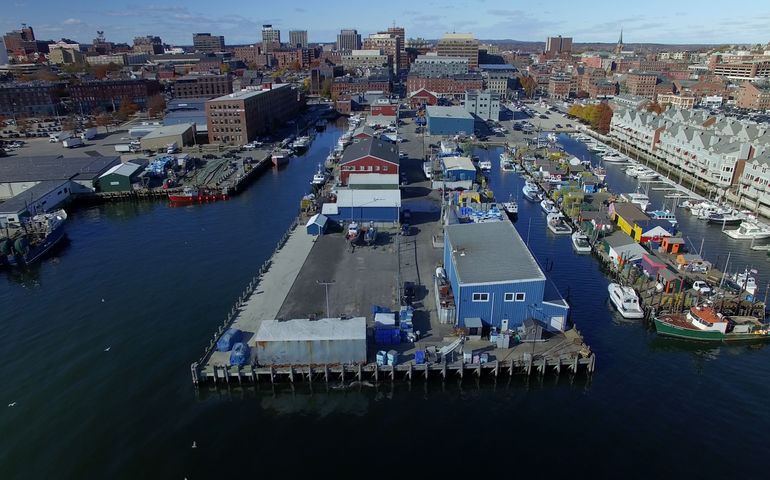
(494, 277)
(317, 224)
(449, 120)
(458, 169)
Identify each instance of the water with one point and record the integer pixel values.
(168, 275)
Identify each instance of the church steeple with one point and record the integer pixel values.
(619, 46)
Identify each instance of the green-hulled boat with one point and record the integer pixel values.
(705, 325)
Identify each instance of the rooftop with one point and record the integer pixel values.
(374, 147)
(490, 253)
(302, 329)
(458, 163)
(168, 130)
(53, 167)
(126, 169)
(448, 112)
(248, 93)
(19, 202)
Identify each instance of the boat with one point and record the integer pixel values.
(625, 300)
(745, 281)
(485, 165)
(557, 224)
(706, 325)
(427, 169)
(613, 157)
(301, 143)
(646, 174)
(633, 170)
(531, 191)
(280, 157)
(549, 206)
(664, 215)
(511, 208)
(551, 136)
(196, 195)
(599, 173)
(749, 231)
(639, 199)
(30, 239)
(580, 243)
(320, 176)
(724, 219)
(506, 163)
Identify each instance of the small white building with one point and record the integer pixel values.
(484, 104)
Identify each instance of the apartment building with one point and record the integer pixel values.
(453, 86)
(642, 84)
(298, 38)
(365, 59)
(348, 85)
(240, 117)
(205, 42)
(435, 66)
(389, 44)
(753, 190)
(348, 39)
(459, 45)
(559, 86)
(558, 45)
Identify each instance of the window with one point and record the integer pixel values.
(480, 297)
(508, 297)
(520, 297)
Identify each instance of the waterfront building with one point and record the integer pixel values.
(348, 39)
(448, 120)
(754, 186)
(622, 249)
(503, 290)
(207, 43)
(120, 178)
(239, 117)
(182, 134)
(298, 38)
(187, 110)
(206, 85)
(368, 197)
(369, 156)
(458, 172)
(41, 197)
(20, 173)
(421, 98)
(459, 45)
(484, 104)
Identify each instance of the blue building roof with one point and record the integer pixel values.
(448, 112)
(487, 253)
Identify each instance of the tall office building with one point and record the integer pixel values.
(557, 45)
(349, 39)
(205, 42)
(298, 38)
(459, 45)
(270, 34)
(401, 34)
(389, 44)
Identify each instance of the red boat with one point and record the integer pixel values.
(196, 195)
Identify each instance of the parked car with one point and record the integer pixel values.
(408, 293)
(701, 287)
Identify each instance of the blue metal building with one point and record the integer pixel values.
(494, 277)
(449, 120)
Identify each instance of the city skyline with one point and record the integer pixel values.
(688, 23)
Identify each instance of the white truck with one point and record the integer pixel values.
(72, 142)
(172, 148)
(58, 137)
(125, 148)
(88, 133)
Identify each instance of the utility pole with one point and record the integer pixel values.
(326, 289)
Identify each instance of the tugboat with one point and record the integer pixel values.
(706, 325)
(29, 240)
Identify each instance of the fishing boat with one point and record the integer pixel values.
(749, 231)
(196, 195)
(625, 300)
(549, 206)
(600, 173)
(725, 219)
(531, 191)
(580, 243)
(705, 324)
(557, 224)
(746, 281)
(506, 162)
(30, 239)
(301, 143)
(485, 165)
(280, 157)
(320, 176)
(511, 208)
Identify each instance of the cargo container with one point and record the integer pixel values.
(317, 342)
(125, 148)
(88, 133)
(72, 142)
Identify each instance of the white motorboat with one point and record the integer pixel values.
(725, 219)
(625, 301)
(511, 208)
(647, 174)
(485, 165)
(639, 199)
(633, 171)
(301, 143)
(613, 157)
(531, 191)
(580, 243)
(549, 206)
(749, 231)
(320, 176)
(746, 281)
(557, 224)
(664, 215)
(600, 173)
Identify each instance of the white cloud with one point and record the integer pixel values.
(72, 21)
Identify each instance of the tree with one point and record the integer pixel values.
(604, 118)
(69, 125)
(306, 84)
(224, 68)
(100, 72)
(156, 105)
(126, 109)
(529, 85)
(104, 120)
(326, 88)
(655, 108)
(295, 66)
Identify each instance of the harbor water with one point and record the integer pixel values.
(97, 341)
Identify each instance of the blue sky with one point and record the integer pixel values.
(685, 21)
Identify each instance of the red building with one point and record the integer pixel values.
(422, 97)
(350, 85)
(108, 94)
(372, 155)
(388, 110)
(455, 85)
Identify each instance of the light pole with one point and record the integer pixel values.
(326, 289)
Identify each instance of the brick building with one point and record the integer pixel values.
(642, 84)
(753, 96)
(452, 86)
(108, 94)
(349, 85)
(29, 98)
(249, 54)
(206, 42)
(197, 86)
(559, 86)
(240, 117)
(389, 44)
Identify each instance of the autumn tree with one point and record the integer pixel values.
(529, 85)
(104, 120)
(156, 105)
(604, 118)
(100, 72)
(69, 125)
(126, 109)
(655, 108)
